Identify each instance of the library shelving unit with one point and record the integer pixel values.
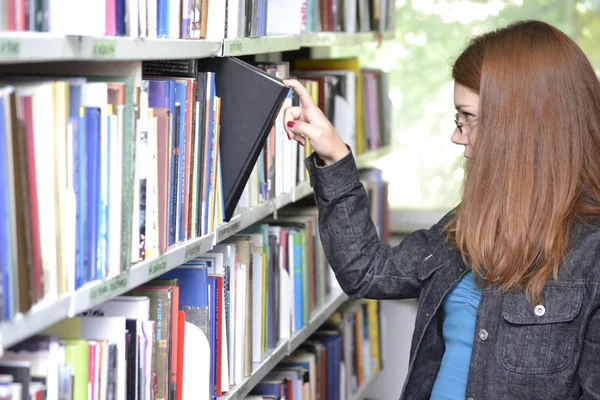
(31, 47)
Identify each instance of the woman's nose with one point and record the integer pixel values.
(459, 138)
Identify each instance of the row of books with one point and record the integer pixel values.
(172, 19)
(355, 99)
(196, 19)
(100, 172)
(194, 332)
(348, 16)
(334, 363)
(67, 180)
(181, 158)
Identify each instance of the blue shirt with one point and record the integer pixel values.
(460, 309)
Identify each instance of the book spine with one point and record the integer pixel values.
(128, 174)
(175, 189)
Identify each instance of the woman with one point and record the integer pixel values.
(509, 281)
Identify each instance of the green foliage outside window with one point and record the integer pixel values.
(425, 169)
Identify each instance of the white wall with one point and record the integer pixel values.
(397, 325)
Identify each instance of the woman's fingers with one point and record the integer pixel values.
(303, 95)
(309, 123)
(291, 115)
(299, 138)
(294, 125)
(302, 129)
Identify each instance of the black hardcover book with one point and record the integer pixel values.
(250, 102)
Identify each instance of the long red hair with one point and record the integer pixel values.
(536, 164)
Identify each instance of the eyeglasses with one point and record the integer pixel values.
(460, 125)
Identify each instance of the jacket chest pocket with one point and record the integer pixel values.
(540, 338)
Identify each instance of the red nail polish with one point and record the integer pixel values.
(291, 124)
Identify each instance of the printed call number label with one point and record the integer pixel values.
(157, 267)
(10, 48)
(228, 230)
(104, 49)
(109, 289)
(236, 47)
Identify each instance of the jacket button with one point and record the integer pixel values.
(483, 334)
(539, 310)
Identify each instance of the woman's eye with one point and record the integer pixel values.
(468, 117)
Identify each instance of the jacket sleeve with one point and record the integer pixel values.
(362, 265)
(588, 370)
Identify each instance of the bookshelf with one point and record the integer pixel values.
(122, 55)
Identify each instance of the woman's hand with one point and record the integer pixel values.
(308, 121)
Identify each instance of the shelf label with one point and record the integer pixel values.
(104, 49)
(227, 230)
(157, 267)
(236, 47)
(109, 289)
(197, 249)
(10, 48)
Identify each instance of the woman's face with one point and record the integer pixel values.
(467, 106)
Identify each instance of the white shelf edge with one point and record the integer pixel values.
(32, 47)
(285, 348)
(302, 190)
(362, 390)
(261, 370)
(45, 314)
(28, 47)
(151, 49)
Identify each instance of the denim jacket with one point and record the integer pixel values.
(547, 351)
